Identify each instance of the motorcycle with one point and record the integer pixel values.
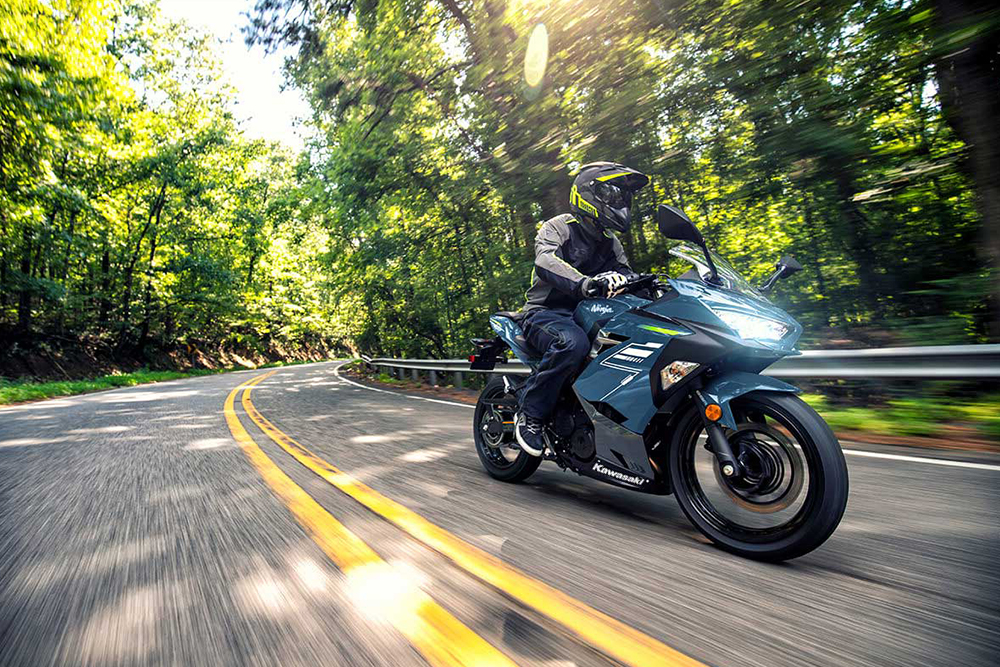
(671, 400)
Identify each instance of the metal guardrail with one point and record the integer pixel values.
(938, 362)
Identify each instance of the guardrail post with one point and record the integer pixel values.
(415, 374)
(434, 378)
(458, 379)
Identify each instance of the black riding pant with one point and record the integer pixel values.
(564, 346)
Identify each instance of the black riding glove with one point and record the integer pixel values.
(593, 288)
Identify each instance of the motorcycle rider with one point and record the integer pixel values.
(577, 256)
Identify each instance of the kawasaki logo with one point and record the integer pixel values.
(620, 476)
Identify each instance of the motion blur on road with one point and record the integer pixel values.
(198, 522)
(165, 212)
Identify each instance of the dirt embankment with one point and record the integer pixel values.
(46, 357)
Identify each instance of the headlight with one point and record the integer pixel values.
(752, 327)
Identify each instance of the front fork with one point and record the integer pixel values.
(718, 443)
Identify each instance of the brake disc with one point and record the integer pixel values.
(762, 489)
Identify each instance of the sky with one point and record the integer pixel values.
(265, 110)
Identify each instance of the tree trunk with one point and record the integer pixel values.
(69, 247)
(555, 200)
(967, 69)
(148, 299)
(253, 262)
(855, 226)
(3, 287)
(529, 228)
(3, 266)
(104, 308)
(24, 296)
(154, 214)
(812, 233)
(64, 272)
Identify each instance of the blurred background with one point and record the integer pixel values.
(209, 184)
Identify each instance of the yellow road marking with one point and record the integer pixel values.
(608, 635)
(441, 638)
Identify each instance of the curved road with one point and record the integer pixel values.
(308, 520)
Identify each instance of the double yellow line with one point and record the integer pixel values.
(613, 638)
(441, 638)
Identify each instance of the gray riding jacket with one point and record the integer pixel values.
(565, 254)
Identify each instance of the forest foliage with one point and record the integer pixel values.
(844, 133)
(860, 137)
(132, 208)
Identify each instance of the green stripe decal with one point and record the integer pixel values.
(661, 330)
(610, 176)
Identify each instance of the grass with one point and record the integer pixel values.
(19, 391)
(911, 416)
(388, 379)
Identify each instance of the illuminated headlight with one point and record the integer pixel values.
(675, 372)
(751, 327)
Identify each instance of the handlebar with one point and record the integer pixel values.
(640, 281)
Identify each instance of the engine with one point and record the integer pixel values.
(573, 427)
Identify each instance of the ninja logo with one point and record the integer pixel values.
(600, 308)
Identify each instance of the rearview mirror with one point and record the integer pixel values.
(673, 224)
(788, 266)
(785, 267)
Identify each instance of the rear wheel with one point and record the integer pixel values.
(792, 494)
(493, 431)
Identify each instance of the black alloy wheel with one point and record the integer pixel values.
(493, 431)
(793, 490)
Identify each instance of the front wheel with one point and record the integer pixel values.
(792, 494)
(493, 431)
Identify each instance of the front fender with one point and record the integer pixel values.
(726, 387)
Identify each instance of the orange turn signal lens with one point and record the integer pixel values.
(713, 412)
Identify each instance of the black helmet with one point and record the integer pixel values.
(603, 191)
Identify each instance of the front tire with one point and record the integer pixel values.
(795, 490)
(498, 451)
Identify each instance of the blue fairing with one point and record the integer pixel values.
(620, 375)
(624, 377)
(725, 388)
(592, 314)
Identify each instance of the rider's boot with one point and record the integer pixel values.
(530, 434)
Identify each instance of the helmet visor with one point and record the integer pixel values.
(612, 195)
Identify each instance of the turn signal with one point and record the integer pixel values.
(472, 358)
(713, 412)
(676, 372)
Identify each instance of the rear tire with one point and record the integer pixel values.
(813, 506)
(500, 460)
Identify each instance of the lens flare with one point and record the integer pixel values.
(536, 57)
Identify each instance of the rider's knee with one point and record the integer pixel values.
(575, 344)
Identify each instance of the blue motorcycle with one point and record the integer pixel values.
(671, 400)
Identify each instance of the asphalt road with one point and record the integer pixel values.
(136, 529)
